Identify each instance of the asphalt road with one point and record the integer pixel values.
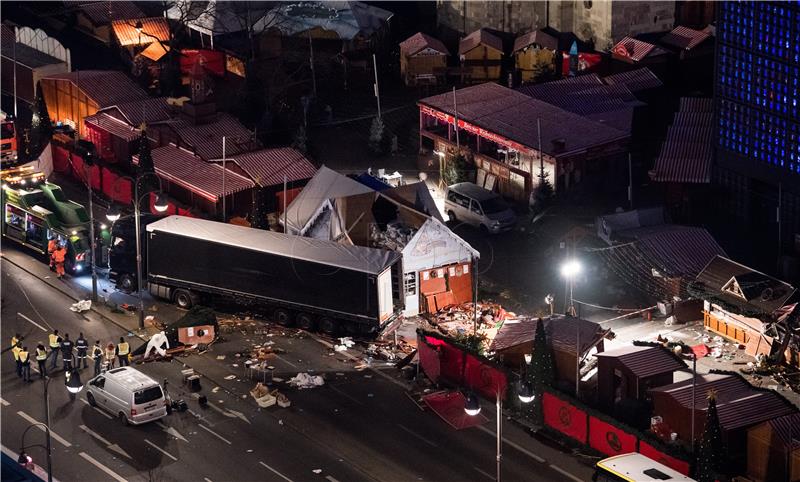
(359, 426)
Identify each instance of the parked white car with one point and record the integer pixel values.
(471, 204)
(128, 394)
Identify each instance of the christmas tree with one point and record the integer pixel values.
(145, 171)
(377, 132)
(41, 127)
(711, 454)
(258, 214)
(540, 373)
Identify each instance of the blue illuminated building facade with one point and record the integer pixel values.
(757, 101)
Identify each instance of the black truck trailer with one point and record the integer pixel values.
(312, 283)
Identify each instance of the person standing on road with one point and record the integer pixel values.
(52, 246)
(15, 351)
(122, 352)
(111, 355)
(41, 359)
(60, 256)
(55, 347)
(16, 339)
(97, 356)
(25, 362)
(66, 352)
(83, 346)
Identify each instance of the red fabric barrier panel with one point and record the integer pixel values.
(96, 178)
(185, 212)
(122, 192)
(108, 179)
(564, 417)
(429, 360)
(467, 370)
(78, 167)
(60, 159)
(676, 464)
(609, 439)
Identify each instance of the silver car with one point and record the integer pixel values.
(471, 204)
(128, 394)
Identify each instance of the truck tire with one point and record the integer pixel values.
(183, 298)
(352, 328)
(328, 325)
(282, 317)
(127, 283)
(306, 322)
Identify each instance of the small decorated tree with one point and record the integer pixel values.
(258, 215)
(541, 372)
(145, 171)
(455, 170)
(41, 127)
(543, 192)
(711, 453)
(377, 134)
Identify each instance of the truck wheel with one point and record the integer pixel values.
(327, 325)
(184, 299)
(282, 317)
(126, 283)
(351, 327)
(306, 322)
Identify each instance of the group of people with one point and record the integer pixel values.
(63, 347)
(58, 256)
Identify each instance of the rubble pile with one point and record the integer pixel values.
(395, 238)
(459, 319)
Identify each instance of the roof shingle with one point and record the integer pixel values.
(480, 37)
(106, 87)
(267, 167)
(153, 29)
(685, 38)
(645, 361)
(537, 37)
(687, 153)
(420, 41)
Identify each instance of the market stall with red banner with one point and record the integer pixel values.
(676, 464)
(565, 417)
(609, 439)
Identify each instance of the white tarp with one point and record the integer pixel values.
(331, 253)
(44, 163)
(435, 245)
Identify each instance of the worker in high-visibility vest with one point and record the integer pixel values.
(55, 347)
(15, 351)
(52, 246)
(15, 339)
(41, 359)
(60, 256)
(97, 356)
(25, 362)
(122, 352)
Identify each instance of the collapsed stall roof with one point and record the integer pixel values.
(356, 258)
(562, 332)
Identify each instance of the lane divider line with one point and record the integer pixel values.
(564, 472)
(287, 479)
(415, 434)
(160, 450)
(32, 322)
(4, 403)
(102, 467)
(40, 426)
(513, 444)
(215, 434)
(94, 434)
(330, 478)
(97, 409)
(487, 474)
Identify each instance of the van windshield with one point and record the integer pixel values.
(147, 395)
(493, 205)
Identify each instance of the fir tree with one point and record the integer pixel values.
(145, 170)
(377, 133)
(300, 141)
(541, 372)
(543, 192)
(455, 170)
(258, 214)
(41, 127)
(711, 453)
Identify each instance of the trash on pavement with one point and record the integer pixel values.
(304, 380)
(81, 306)
(262, 396)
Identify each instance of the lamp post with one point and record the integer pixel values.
(472, 407)
(569, 270)
(113, 214)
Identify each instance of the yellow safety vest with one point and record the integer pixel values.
(41, 354)
(23, 356)
(97, 352)
(54, 341)
(14, 341)
(123, 348)
(16, 351)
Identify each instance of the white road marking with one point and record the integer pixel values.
(353, 358)
(287, 479)
(111, 446)
(207, 479)
(160, 450)
(4, 403)
(102, 467)
(40, 426)
(284, 360)
(564, 472)
(487, 474)
(97, 409)
(417, 435)
(215, 434)
(512, 444)
(330, 478)
(346, 395)
(172, 431)
(32, 322)
(94, 434)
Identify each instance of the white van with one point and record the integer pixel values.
(129, 394)
(469, 203)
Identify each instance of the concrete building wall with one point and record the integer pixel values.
(503, 15)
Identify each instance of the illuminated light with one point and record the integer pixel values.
(103, 226)
(570, 268)
(74, 232)
(472, 406)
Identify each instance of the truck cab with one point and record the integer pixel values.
(122, 252)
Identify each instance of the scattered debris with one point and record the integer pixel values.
(304, 380)
(262, 396)
(81, 306)
(230, 377)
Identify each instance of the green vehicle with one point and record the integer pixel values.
(34, 211)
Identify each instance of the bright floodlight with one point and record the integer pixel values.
(570, 268)
(472, 405)
(161, 203)
(112, 214)
(526, 393)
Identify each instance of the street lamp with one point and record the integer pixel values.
(113, 214)
(45, 426)
(472, 406)
(569, 270)
(73, 381)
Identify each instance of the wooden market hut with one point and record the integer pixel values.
(481, 54)
(423, 60)
(532, 49)
(773, 450)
